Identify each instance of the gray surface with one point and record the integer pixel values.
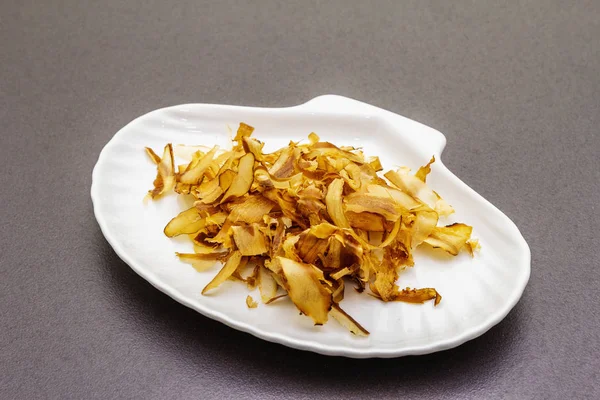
(515, 89)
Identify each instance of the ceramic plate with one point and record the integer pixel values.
(477, 292)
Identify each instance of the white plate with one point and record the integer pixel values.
(477, 292)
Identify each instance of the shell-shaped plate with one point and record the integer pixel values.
(477, 292)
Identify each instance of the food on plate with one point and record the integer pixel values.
(250, 302)
(305, 220)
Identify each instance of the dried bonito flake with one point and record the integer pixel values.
(304, 220)
(250, 302)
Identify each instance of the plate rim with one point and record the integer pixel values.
(318, 103)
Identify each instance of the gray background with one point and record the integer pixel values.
(515, 88)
